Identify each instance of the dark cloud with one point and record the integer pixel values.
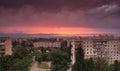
(105, 11)
(56, 4)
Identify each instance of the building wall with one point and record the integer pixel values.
(113, 50)
(5, 46)
(8, 44)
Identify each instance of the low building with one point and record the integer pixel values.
(47, 44)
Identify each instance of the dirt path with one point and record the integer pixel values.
(34, 67)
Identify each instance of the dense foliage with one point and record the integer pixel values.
(60, 58)
(19, 61)
(79, 58)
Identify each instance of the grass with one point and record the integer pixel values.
(43, 66)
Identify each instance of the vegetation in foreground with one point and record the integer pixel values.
(19, 61)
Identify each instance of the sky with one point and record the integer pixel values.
(68, 17)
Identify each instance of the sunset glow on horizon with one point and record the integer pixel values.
(52, 30)
(55, 30)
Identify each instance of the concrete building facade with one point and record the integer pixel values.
(107, 47)
(5, 46)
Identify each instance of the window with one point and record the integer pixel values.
(2, 49)
(87, 52)
(90, 52)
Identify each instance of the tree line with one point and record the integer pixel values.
(18, 61)
(60, 58)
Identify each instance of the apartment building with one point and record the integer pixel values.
(5, 46)
(107, 47)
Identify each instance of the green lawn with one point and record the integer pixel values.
(43, 66)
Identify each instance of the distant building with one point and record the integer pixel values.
(47, 44)
(20, 40)
(5, 46)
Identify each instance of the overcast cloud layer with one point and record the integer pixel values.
(96, 14)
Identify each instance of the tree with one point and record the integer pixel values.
(89, 65)
(116, 65)
(23, 43)
(5, 62)
(101, 64)
(68, 51)
(39, 57)
(63, 44)
(21, 52)
(43, 57)
(79, 57)
(14, 43)
(43, 50)
(21, 65)
(59, 61)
